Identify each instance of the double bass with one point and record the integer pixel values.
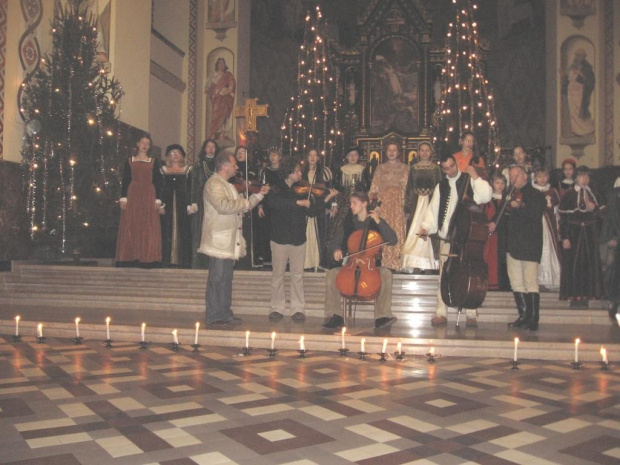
(464, 278)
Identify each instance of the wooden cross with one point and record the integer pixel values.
(251, 111)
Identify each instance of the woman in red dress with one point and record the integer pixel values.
(495, 247)
(139, 230)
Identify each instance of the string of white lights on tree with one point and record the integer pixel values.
(312, 119)
(70, 145)
(466, 99)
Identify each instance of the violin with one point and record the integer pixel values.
(360, 278)
(242, 185)
(304, 189)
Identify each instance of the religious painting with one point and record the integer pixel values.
(221, 11)
(577, 83)
(220, 88)
(411, 157)
(395, 87)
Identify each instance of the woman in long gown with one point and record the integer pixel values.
(388, 187)
(139, 230)
(496, 245)
(581, 275)
(423, 177)
(550, 268)
(176, 222)
(315, 172)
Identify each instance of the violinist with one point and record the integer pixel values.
(267, 175)
(287, 215)
(525, 243)
(356, 220)
(438, 217)
(317, 174)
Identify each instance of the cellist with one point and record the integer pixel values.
(357, 219)
(438, 217)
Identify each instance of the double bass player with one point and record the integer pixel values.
(438, 219)
(357, 219)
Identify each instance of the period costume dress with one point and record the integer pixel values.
(550, 268)
(139, 231)
(581, 276)
(176, 224)
(316, 228)
(496, 246)
(418, 253)
(388, 185)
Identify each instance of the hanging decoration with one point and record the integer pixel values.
(466, 99)
(312, 120)
(70, 145)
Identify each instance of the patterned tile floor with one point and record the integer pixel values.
(69, 404)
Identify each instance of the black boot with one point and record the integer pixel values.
(521, 305)
(534, 302)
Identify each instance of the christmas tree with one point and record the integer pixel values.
(70, 147)
(466, 99)
(312, 119)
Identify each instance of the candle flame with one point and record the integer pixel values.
(273, 335)
(77, 320)
(143, 325)
(17, 318)
(603, 350)
(40, 326)
(577, 341)
(197, 325)
(516, 340)
(108, 319)
(344, 330)
(247, 333)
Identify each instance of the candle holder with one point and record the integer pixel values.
(302, 353)
(431, 357)
(17, 338)
(576, 365)
(195, 346)
(78, 340)
(247, 351)
(108, 343)
(41, 339)
(174, 346)
(272, 352)
(399, 355)
(382, 359)
(343, 352)
(144, 344)
(515, 365)
(605, 366)
(362, 355)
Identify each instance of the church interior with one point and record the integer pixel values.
(107, 362)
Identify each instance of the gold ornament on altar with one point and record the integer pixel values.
(251, 111)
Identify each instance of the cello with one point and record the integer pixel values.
(464, 278)
(360, 279)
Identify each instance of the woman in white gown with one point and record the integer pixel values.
(423, 177)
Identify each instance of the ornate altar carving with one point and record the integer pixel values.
(388, 81)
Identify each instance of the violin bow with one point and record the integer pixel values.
(502, 209)
(364, 250)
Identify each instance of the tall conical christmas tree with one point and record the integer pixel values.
(466, 98)
(312, 119)
(71, 143)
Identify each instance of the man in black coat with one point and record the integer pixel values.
(525, 242)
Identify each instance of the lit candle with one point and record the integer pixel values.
(77, 327)
(273, 340)
(142, 332)
(577, 341)
(175, 338)
(247, 339)
(618, 318)
(344, 330)
(302, 346)
(107, 328)
(432, 351)
(516, 349)
(604, 354)
(363, 342)
(399, 348)
(40, 330)
(384, 346)
(196, 336)
(17, 325)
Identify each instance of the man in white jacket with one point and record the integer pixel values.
(439, 215)
(222, 237)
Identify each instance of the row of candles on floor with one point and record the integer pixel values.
(175, 339)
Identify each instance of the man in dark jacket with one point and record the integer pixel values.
(525, 241)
